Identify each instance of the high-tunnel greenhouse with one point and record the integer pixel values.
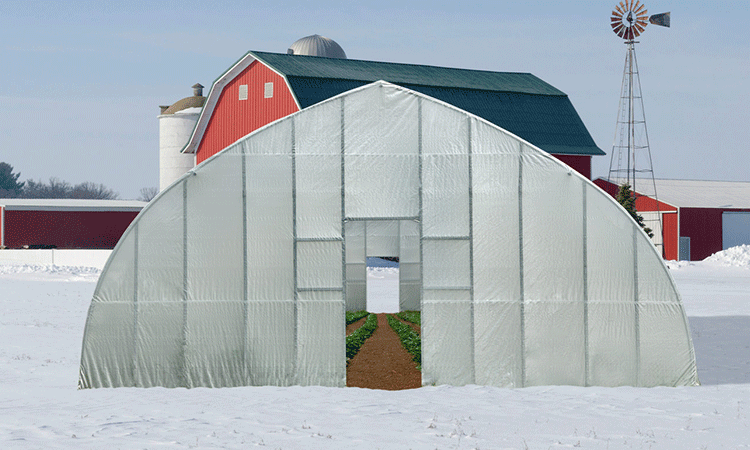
(525, 272)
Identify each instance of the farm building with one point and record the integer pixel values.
(699, 218)
(262, 87)
(64, 223)
(525, 272)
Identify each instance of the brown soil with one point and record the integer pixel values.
(354, 325)
(382, 363)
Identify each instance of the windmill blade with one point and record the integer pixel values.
(617, 28)
(662, 19)
(639, 8)
(638, 29)
(616, 14)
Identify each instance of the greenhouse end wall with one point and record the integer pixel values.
(525, 272)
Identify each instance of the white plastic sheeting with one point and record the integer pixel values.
(525, 272)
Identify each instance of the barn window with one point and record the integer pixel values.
(243, 92)
(268, 90)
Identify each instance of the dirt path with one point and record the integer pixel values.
(382, 363)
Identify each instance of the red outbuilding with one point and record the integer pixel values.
(698, 218)
(65, 223)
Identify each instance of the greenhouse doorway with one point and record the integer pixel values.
(391, 247)
(383, 284)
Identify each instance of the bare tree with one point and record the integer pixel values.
(93, 191)
(57, 188)
(148, 193)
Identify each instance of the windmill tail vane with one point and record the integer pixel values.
(660, 19)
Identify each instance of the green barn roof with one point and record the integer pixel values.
(518, 102)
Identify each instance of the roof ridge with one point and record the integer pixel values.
(477, 79)
(397, 63)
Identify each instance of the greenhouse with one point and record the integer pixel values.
(525, 272)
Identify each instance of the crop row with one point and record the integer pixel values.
(355, 340)
(353, 316)
(409, 338)
(411, 316)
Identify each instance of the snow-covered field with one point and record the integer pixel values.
(41, 326)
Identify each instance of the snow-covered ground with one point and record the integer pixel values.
(41, 325)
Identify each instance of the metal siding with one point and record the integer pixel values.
(643, 203)
(579, 163)
(735, 228)
(671, 236)
(233, 118)
(66, 229)
(703, 227)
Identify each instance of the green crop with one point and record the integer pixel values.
(355, 340)
(409, 338)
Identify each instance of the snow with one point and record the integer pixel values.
(44, 310)
(194, 110)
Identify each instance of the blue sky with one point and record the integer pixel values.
(81, 81)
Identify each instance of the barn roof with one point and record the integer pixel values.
(518, 102)
(704, 194)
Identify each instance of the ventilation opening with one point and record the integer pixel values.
(382, 285)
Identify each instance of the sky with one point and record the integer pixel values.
(81, 81)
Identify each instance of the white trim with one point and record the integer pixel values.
(71, 205)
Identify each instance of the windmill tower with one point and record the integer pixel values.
(630, 160)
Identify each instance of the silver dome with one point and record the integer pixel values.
(317, 45)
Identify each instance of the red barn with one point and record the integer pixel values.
(699, 218)
(263, 87)
(65, 223)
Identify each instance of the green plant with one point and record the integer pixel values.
(355, 340)
(626, 197)
(409, 338)
(411, 316)
(353, 316)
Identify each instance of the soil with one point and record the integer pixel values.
(382, 363)
(354, 325)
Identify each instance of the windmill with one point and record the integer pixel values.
(629, 20)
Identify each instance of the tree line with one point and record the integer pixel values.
(11, 187)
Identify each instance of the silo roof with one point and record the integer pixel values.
(187, 102)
